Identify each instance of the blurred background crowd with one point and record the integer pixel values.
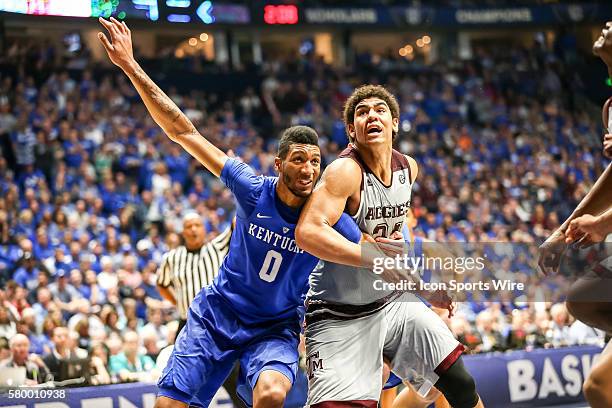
(92, 193)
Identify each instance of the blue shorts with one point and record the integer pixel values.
(213, 339)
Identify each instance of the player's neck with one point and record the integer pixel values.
(287, 197)
(378, 160)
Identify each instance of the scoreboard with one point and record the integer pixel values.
(173, 11)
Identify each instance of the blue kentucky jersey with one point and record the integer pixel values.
(265, 275)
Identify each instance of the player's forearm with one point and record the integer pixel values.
(596, 201)
(163, 110)
(605, 220)
(174, 122)
(327, 244)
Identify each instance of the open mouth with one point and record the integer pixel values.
(374, 130)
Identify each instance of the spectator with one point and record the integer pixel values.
(41, 307)
(156, 326)
(99, 364)
(36, 370)
(558, 334)
(63, 292)
(60, 352)
(151, 342)
(7, 327)
(26, 275)
(130, 364)
(5, 350)
(580, 333)
(492, 339)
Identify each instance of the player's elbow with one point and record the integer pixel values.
(304, 236)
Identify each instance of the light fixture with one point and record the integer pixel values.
(203, 37)
(193, 41)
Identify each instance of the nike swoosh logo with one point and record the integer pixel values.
(263, 216)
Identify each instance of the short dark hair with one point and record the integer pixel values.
(365, 92)
(296, 134)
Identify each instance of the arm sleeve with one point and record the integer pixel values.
(348, 228)
(163, 273)
(244, 183)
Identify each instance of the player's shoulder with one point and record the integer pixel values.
(344, 167)
(343, 176)
(412, 165)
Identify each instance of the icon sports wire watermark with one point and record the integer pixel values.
(494, 271)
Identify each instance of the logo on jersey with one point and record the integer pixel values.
(313, 363)
(402, 179)
(285, 229)
(387, 211)
(263, 216)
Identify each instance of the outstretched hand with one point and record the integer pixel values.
(119, 48)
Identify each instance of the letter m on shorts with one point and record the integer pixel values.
(314, 363)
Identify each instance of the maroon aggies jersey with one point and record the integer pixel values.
(382, 210)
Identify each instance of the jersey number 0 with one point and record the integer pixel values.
(270, 266)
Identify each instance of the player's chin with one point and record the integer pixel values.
(376, 138)
(302, 190)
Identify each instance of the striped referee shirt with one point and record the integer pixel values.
(189, 271)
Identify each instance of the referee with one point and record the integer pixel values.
(185, 270)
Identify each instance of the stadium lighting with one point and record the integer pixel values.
(203, 37)
(409, 49)
(193, 41)
(403, 52)
(426, 39)
(419, 43)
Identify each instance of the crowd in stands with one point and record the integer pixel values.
(92, 193)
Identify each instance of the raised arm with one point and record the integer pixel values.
(163, 110)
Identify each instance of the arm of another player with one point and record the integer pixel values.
(163, 110)
(314, 232)
(596, 201)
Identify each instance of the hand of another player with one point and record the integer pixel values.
(440, 299)
(119, 48)
(585, 230)
(392, 246)
(551, 252)
(603, 45)
(607, 146)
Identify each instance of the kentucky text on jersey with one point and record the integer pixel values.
(274, 238)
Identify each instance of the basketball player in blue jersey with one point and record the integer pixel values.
(252, 312)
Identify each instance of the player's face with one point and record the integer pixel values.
(300, 169)
(373, 123)
(193, 233)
